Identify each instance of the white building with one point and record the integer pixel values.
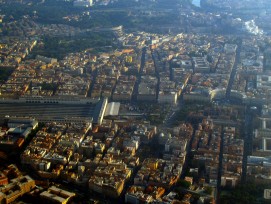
(83, 3)
(267, 194)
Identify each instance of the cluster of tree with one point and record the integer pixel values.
(246, 193)
(48, 87)
(192, 108)
(59, 47)
(183, 184)
(155, 113)
(200, 53)
(52, 12)
(5, 73)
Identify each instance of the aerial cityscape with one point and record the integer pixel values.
(135, 101)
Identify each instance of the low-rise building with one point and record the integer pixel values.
(16, 187)
(57, 195)
(201, 65)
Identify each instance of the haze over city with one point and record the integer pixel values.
(139, 101)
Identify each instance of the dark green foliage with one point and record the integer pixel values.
(189, 108)
(49, 87)
(119, 13)
(183, 183)
(5, 73)
(248, 193)
(59, 47)
(208, 190)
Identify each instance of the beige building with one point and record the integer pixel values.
(57, 195)
(15, 189)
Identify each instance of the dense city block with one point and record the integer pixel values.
(148, 101)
